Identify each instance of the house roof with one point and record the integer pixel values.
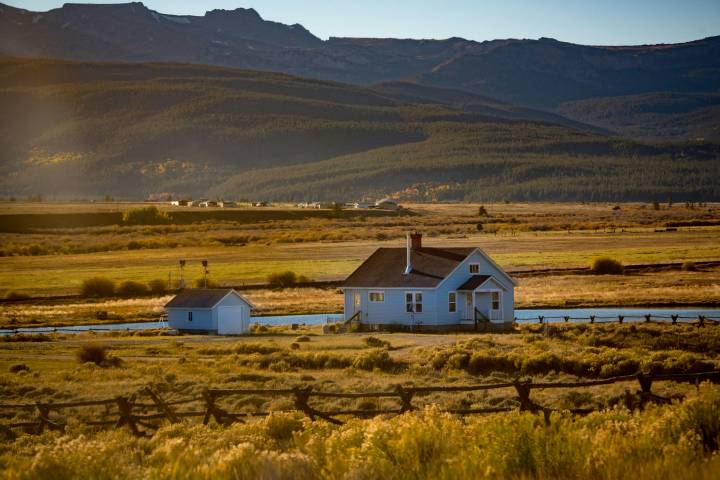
(474, 282)
(385, 267)
(200, 297)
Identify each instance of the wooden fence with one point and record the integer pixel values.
(698, 320)
(144, 411)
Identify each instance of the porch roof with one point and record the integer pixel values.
(473, 282)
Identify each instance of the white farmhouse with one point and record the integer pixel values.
(220, 311)
(429, 288)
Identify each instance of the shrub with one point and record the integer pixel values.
(145, 216)
(157, 285)
(19, 367)
(689, 266)
(606, 266)
(373, 359)
(15, 295)
(281, 426)
(98, 287)
(201, 282)
(131, 288)
(375, 342)
(282, 279)
(302, 338)
(93, 353)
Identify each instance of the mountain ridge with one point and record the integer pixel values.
(541, 73)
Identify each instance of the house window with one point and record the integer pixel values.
(413, 302)
(496, 300)
(474, 268)
(452, 302)
(376, 297)
(189, 316)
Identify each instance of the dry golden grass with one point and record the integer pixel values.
(652, 289)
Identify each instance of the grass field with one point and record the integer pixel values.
(674, 441)
(519, 237)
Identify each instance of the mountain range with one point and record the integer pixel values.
(226, 111)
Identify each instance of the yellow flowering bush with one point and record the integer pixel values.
(663, 442)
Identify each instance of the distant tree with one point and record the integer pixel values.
(656, 205)
(131, 288)
(670, 202)
(479, 227)
(482, 212)
(337, 209)
(157, 285)
(98, 287)
(606, 266)
(145, 216)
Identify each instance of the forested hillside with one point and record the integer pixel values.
(74, 129)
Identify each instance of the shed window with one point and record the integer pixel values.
(376, 297)
(413, 302)
(452, 302)
(496, 300)
(474, 268)
(189, 316)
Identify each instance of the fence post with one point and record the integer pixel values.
(126, 417)
(405, 399)
(302, 396)
(620, 318)
(674, 319)
(162, 406)
(647, 317)
(701, 321)
(592, 318)
(567, 318)
(523, 391)
(541, 319)
(44, 418)
(645, 391)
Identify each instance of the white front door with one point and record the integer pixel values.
(495, 305)
(469, 310)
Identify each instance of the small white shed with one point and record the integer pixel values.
(221, 311)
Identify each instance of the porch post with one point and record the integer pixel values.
(473, 304)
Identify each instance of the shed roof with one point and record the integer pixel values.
(200, 297)
(385, 267)
(474, 282)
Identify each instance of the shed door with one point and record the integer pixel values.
(232, 320)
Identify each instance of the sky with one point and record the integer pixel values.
(590, 22)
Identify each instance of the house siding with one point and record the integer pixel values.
(392, 310)
(203, 319)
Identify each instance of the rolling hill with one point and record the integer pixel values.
(539, 74)
(88, 129)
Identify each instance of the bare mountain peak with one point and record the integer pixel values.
(245, 13)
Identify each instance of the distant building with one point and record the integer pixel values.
(362, 205)
(221, 311)
(227, 204)
(429, 288)
(387, 204)
(260, 204)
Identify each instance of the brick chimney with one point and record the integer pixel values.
(416, 240)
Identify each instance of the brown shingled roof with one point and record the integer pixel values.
(386, 266)
(473, 282)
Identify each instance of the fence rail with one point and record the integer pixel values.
(142, 417)
(698, 320)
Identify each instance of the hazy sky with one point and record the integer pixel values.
(579, 21)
